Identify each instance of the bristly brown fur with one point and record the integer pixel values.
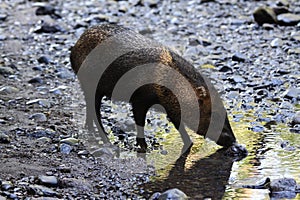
(148, 95)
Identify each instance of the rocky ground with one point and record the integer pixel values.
(255, 67)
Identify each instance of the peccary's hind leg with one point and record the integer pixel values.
(141, 101)
(139, 110)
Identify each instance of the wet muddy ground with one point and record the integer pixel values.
(255, 68)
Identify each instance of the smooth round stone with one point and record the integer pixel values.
(36, 80)
(284, 184)
(4, 138)
(65, 148)
(48, 180)
(288, 19)
(70, 141)
(38, 117)
(173, 194)
(276, 42)
(8, 90)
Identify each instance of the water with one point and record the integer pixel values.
(206, 173)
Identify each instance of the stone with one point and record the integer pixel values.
(8, 90)
(36, 80)
(155, 196)
(264, 15)
(70, 141)
(41, 191)
(38, 117)
(295, 36)
(4, 139)
(65, 148)
(294, 51)
(280, 10)
(6, 185)
(194, 41)
(6, 71)
(296, 118)
(3, 17)
(83, 153)
(48, 180)
(47, 28)
(288, 19)
(174, 194)
(42, 133)
(47, 10)
(292, 93)
(283, 3)
(284, 184)
(42, 102)
(238, 79)
(43, 60)
(239, 57)
(276, 42)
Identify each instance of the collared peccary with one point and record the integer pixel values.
(116, 62)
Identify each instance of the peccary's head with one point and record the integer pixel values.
(227, 137)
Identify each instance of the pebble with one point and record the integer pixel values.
(276, 42)
(296, 36)
(48, 180)
(49, 133)
(65, 148)
(150, 3)
(194, 41)
(294, 51)
(6, 70)
(83, 153)
(8, 90)
(296, 118)
(4, 139)
(70, 141)
(65, 74)
(41, 191)
(36, 80)
(284, 3)
(47, 28)
(288, 19)
(3, 17)
(172, 194)
(42, 102)
(239, 57)
(43, 60)
(47, 10)
(292, 93)
(284, 184)
(238, 79)
(38, 117)
(264, 15)
(6, 185)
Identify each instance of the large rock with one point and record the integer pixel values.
(264, 15)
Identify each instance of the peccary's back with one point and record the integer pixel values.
(133, 60)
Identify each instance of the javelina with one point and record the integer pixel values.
(105, 54)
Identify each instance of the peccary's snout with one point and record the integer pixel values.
(227, 137)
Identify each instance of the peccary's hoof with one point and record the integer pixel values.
(143, 145)
(237, 151)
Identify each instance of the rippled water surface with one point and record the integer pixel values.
(206, 173)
